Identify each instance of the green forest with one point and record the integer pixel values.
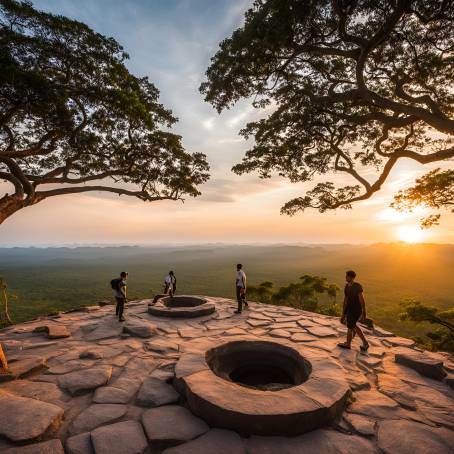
(46, 280)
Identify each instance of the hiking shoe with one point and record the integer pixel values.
(344, 345)
(237, 312)
(364, 348)
(122, 319)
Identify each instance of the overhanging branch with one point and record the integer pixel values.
(143, 195)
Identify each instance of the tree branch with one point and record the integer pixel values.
(37, 148)
(15, 181)
(10, 137)
(143, 195)
(16, 171)
(393, 158)
(342, 24)
(437, 120)
(52, 179)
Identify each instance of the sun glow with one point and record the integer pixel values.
(393, 216)
(411, 233)
(390, 215)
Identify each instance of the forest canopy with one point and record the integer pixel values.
(74, 119)
(347, 88)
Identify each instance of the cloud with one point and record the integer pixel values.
(235, 189)
(172, 43)
(241, 116)
(208, 123)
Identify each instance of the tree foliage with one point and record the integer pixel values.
(262, 292)
(72, 115)
(440, 339)
(353, 87)
(302, 294)
(434, 190)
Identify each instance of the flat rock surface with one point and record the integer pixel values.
(113, 329)
(172, 425)
(47, 392)
(46, 447)
(399, 342)
(95, 415)
(280, 333)
(55, 331)
(374, 404)
(78, 387)
(155, 392)
(125, 437)
(85, 380)
(322, 331)
(140, 329)
(406, 437)
(361, 424)
(79, 444)
(423, 364)
(302, 337)
(24, 367)
(319, 441)
(24, 419)
(112, 395)
(215, 441)
(161, 346)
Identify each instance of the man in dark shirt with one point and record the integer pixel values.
(120, 295)
(354, 309)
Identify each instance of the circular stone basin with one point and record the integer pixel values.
(261, 365)
(181, 306)
(262, 387)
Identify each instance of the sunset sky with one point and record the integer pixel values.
(172, 42)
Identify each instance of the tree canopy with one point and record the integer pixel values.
(349, 87)
(434, 190)
(74, 119)
(302, 294)
(440, 339)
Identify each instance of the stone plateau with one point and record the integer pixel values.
(99, 388)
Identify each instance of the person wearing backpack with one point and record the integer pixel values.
(119, 287)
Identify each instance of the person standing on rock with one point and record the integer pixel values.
(240, 288)
(354, 309)
(119, 287)
(170, 284)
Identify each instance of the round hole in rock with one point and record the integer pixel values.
(183, 301)
(261, 365)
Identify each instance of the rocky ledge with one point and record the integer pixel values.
(81, 382)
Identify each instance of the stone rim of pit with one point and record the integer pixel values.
(313, 403)
(181, 306)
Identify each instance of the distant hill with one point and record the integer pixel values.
(51, 279)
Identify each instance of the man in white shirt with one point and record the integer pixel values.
(170, 284)
(240, 288)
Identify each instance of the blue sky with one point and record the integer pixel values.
(171, 42)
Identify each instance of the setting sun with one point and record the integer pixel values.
(411, 233)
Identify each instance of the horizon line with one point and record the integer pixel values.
(210, 244)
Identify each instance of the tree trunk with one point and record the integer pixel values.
(9, 204)
(5, 318)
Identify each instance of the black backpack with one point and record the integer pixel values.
(114, 283)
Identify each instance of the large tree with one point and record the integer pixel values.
(353, 86)
(74, 119)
